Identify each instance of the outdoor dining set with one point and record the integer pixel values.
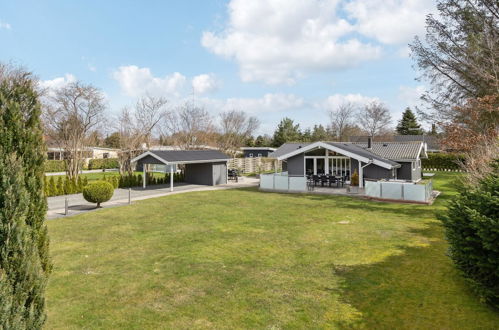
(314, 180)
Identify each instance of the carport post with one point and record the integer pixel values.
(171, 177)
(144, 176)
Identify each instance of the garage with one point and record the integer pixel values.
(204, 167)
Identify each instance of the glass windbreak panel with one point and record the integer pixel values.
(309, 166)
(316, 152)
(321, 165)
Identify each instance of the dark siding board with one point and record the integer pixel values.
(149, 160)
(405, 171)
(295, 165)
(376, 172)
(199, 173)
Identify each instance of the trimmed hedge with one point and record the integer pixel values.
(60, 186)
(57, 186)
(55, 166)
(472, 228)
(443, 161)
(103, 163)
(98, 192)
(136, 180)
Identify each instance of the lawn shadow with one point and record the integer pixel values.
(418, 289)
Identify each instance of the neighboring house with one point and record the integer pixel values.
(54, 153)
(252, 152)
(372, 160)
(205, 167)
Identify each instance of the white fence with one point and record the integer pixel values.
(283, 182)
(254, 165)
(399, 190)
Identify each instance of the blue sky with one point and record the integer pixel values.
(271, 58)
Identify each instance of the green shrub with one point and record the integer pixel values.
(52, 187)
(98, 192)
(103, 163)
(55, 166)
(85, 182)
(443, 161)
(471, 224)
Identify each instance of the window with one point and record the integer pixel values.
(413, 166)
(419, 163)
(105, 155)
(251, 155)
(259, 155)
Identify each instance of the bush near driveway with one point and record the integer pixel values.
(55, 166)
(98, 192)
(104, 163)
(472, 229)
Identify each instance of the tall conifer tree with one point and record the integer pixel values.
(24, 259)
(408, 125)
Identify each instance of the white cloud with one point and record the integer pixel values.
(332, 102)
(5, 25)
(204, 83)
(278, 41)
(390, 21)
(135, 81)
(268, 103)
(57, 83)
(411, 96)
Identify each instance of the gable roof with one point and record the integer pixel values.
(384, 154)
(347, 149)
(396, 150)
(184, 156)
(431, 140)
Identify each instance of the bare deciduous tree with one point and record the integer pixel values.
(137, 127)
(70, 115)
(235, 129)
(190, 126)
(341, 119)
(374, 118)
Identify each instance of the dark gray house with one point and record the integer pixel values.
(372, 160)
(252, 152)
(206, 167)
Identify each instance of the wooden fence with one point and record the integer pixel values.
(254, 165)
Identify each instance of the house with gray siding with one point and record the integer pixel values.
(371, 160)
(253, 152)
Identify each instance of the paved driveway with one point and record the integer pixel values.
(77, 204)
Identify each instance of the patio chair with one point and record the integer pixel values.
(324, 180)
(316, 179)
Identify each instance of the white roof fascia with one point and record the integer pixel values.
(148, 153)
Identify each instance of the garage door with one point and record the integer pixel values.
(219, 173)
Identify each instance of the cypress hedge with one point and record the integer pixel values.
(24, 256)
(472, 228)
(443, 161)
(104, 163)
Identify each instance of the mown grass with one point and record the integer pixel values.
(248, 259)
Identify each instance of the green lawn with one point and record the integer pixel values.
(248, 259)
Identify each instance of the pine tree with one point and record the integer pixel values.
(24, 258)
(408, 125)
(286, 131)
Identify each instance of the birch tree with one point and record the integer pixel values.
(71, 114)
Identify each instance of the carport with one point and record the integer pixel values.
(205, 167)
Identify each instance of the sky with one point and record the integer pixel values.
(270, 58)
